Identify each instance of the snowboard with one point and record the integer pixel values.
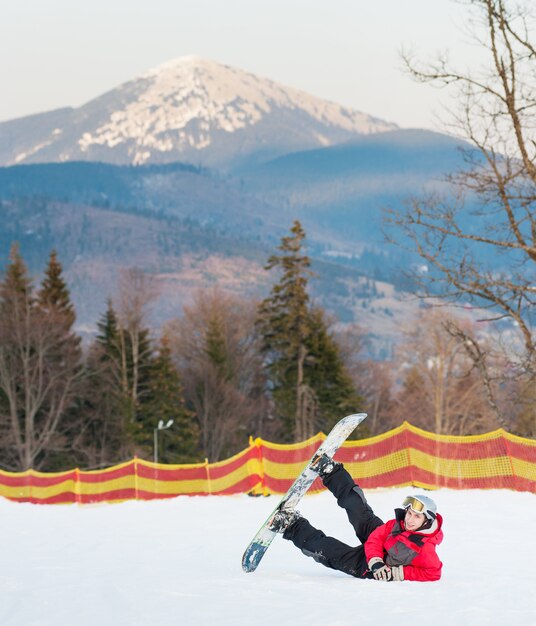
(262, 540)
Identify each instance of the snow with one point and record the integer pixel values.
(178, 562)
(39, 146)
(200, 96)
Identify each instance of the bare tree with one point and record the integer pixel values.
(372, 378)
(441, 391)
(479, 243)
(40, 371)
(136, 292)
(215, 346)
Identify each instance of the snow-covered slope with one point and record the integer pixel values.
(178, 562)
(189, 109)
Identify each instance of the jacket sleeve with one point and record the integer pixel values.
(429, 568)
(374, 544)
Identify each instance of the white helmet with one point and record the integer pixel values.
(421, 504)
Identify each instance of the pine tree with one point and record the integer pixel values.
(54, 294)
(311, 388)
(107, 338)
(39, 371)
(164, 401)
(54, 303)
(105, 440)
(16, 288)
(130, 375)
(216, 349)
(16, 301)
(284, 323)
(328, 376)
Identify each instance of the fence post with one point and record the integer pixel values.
(438, 461)
(405, 426)
(77, 496)
(259, 443)
(136, 492)
(509, 455)
(30, 475)
(207, 471)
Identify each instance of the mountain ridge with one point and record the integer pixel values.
(212, 213)
(188, 109)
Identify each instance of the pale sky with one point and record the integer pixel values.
(57, 53)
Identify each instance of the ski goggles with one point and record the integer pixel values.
(419, 507)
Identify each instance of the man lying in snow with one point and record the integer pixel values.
(401, 549)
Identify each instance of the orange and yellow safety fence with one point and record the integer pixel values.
(401, 457)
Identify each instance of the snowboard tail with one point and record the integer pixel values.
(262, 540)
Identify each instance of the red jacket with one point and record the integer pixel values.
(416, 551)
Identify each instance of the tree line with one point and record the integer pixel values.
(227, 368)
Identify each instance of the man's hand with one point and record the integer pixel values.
(379, 569)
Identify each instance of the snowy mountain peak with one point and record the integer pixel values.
(229, 98)
(186, 61)
(199, 110)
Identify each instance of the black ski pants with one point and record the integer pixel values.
(330, 551)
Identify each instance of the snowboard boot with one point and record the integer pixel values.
(324, 465)
(282, 519)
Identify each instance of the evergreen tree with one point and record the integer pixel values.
(105, 441)
(284, 323)
(125, 405)
(129, 375)
(54, 302)
(16, 288)
(39, 372)
(328, 376)
(107, 338)
(107, 326)
(311, 388)
(165, 401)
(15, 305)
(158, 395)
(54, 294)
(216, 350)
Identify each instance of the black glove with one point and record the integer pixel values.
(379, 569)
